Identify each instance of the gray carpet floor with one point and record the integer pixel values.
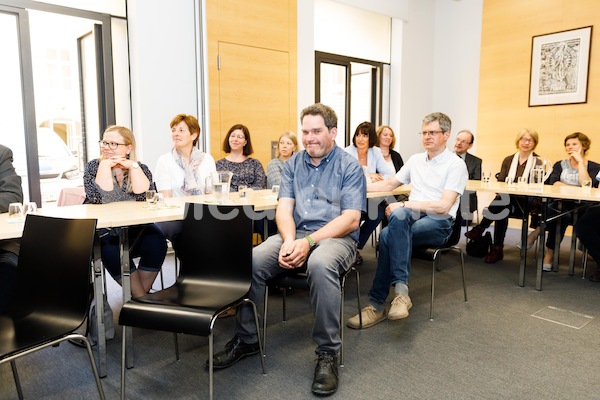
(507, 342)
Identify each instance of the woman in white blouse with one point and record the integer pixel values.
(370, 157)
(183, 170)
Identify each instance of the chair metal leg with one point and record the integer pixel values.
(284, 292)
(210, 366)
(176, 346)
(462, 267)
(433, 268)
(584, 260)
(17, 380)
(265, 306)
(357, 274)
(342, 296)
(260, 343)
(123, 362)
(92, 363)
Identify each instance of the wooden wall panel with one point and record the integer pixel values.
(257, 84)
(507, 32)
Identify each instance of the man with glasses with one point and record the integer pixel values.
(321, 197)
(438, 179)
(10, 192)
(464, 141)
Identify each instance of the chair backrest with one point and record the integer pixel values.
(54, 270)
(71, 196)
(455, 235)
(215, 244)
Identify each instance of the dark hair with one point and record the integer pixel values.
(190, 121)
(247, 148)
(586, 143)
(365, 128)
(329, 116)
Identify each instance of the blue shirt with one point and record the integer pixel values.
(322, 192)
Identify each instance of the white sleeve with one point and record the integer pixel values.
(162, 178)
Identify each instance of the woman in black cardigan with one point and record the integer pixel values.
(386, 140)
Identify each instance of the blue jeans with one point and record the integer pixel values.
(326, 262)
(405, 230)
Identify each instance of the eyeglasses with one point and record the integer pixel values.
(242, 137)
(430, 133)
(526, 140)
(110, 145)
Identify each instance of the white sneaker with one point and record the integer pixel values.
(400, 306)
(547, 267)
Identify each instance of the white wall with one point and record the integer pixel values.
(163, 71)
(341, 29)
(456, 71)
(434, 53)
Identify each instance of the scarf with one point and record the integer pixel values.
(515, 162)
(191, 186)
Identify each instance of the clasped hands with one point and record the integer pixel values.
(118, 162)
(293, 253)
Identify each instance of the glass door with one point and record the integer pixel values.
(353, 88)
(59, 64)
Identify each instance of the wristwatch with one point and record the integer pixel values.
(310, 240)
(135, 164)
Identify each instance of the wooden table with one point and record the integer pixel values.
(545, 193)
(130, 213)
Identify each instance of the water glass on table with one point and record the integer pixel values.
(15, 212)
(243, 191)
(486, 177)
(30, 207)
(151, 198)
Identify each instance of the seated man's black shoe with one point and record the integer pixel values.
(233, 352)
(325, 381)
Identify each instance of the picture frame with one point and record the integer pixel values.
(560, 67)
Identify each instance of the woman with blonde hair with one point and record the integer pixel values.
(117, 176)
(514, 166)
(287, 145)
(386, 140)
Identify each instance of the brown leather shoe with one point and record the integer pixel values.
(475, 233)
(496, 254)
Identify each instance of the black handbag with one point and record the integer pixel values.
(479, 247)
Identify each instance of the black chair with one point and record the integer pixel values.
(433, 253)
(297, 279)
(52, 290)
(215, 254)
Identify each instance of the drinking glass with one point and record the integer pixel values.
(30, 208)
(220, 182)
(522, 182)
(275, 189)
(160, 200)
(587, 186)
(509, 181)
(151, 198)
(15, 212)
(486, 177)
(243, 191)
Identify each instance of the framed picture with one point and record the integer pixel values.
(559, 67)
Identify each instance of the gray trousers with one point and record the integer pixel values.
(327, 260)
